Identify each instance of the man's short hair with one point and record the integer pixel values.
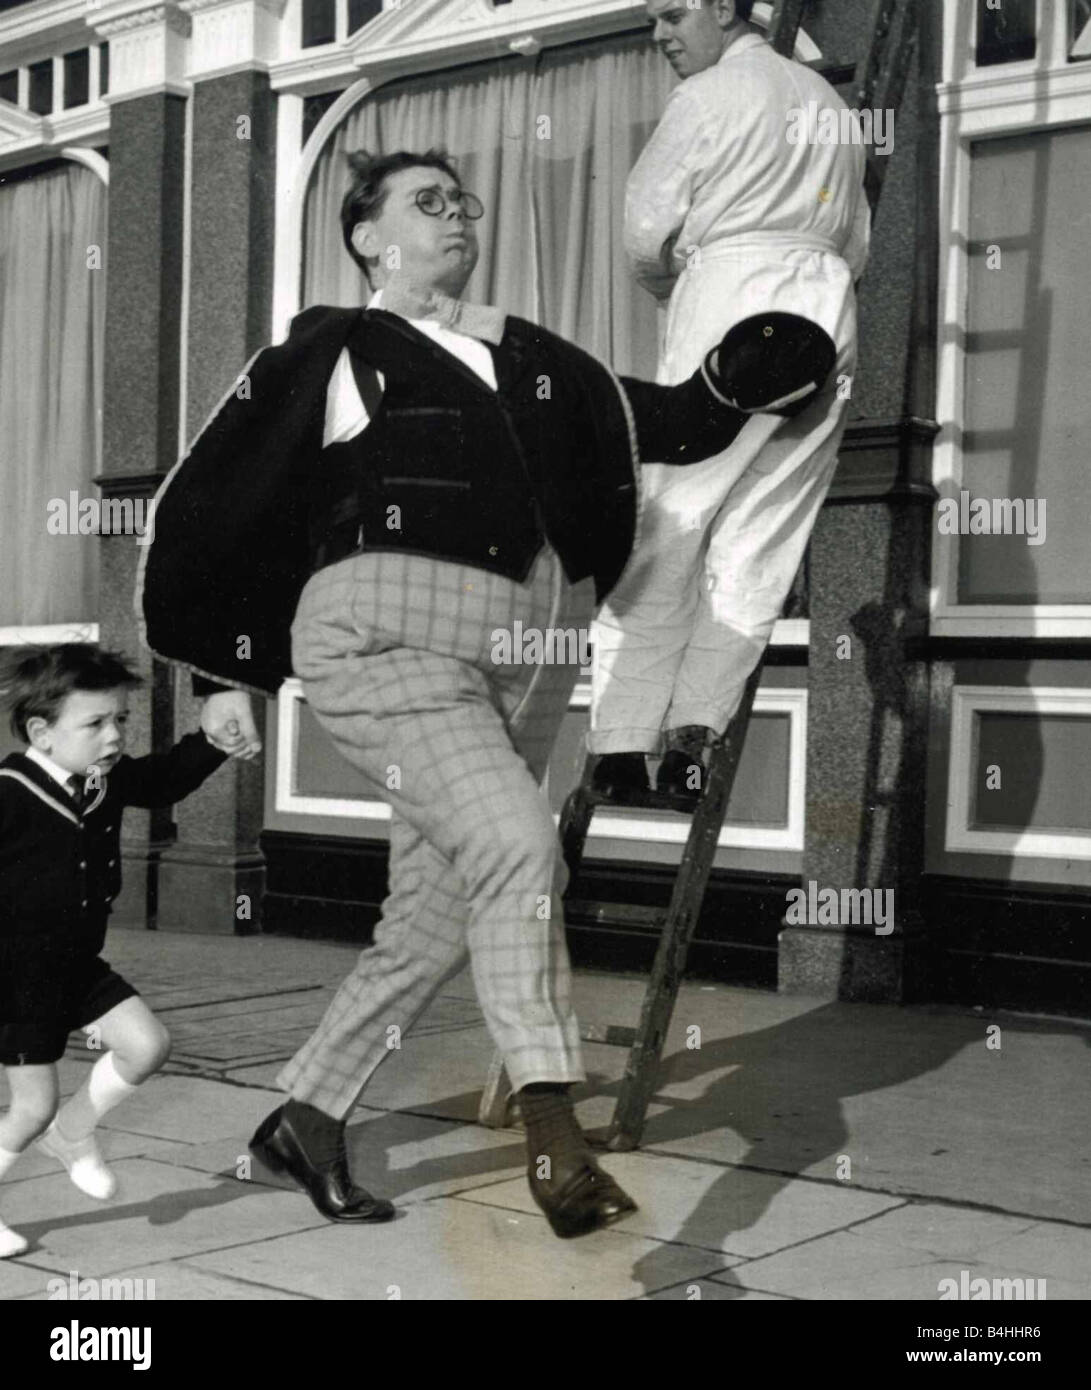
(743, 8)
(367, 192)
(36, 680)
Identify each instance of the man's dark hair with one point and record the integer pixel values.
(743, 8)
(36, 680)
(367, 192)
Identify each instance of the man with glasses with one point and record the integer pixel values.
(397, 488)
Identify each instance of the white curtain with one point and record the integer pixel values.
(52, 302)
(547, 145)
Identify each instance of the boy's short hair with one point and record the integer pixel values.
(36, 680)
(367, 192)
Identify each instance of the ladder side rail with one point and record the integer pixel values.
(685, 908)
(784, 25)
(891, 87)
(868, 68)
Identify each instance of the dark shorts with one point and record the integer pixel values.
(46, 993)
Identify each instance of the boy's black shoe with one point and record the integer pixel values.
(620, 772)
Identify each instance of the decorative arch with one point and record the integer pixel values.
(90, 159)
(289, 244)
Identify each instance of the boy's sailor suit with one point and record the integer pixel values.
(60, 869)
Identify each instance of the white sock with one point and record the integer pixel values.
(102, 1090)
(11, 1242)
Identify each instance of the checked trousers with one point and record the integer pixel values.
(395, 653)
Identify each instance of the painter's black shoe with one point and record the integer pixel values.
(620, 772)
(681, 774)
(588, 1200)
(328, 1185)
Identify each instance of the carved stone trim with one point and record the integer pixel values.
(170, 16)
(147, 46)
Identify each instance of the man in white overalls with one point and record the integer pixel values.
(733, 206)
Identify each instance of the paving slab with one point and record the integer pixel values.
(958, 1156)
(454, 1249)
(161, 1212)
(434, 1073)
(19, 1280)
(847, 1265)
(114, 1144)
(727, 1210)
(405, 1158)
(192, 1109)
(175, 1281)
(1056, 1251)
(914, 1099)
(707, 1290)
(947, 1232)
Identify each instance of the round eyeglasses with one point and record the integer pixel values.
(432, 202)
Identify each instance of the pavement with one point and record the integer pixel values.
(795, 1149)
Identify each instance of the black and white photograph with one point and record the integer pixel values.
(545, 683)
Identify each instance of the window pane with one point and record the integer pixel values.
(1027, 414)
(314, 108)
(9, 86)
(41, 87)
(1079, 29)
(319, 22)
(360, 11)
(1006, 31)
(77, 77)
(103, 68)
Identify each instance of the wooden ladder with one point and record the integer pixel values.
(879, 81)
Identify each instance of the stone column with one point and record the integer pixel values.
(212, 879)
(868, 676)
(141, 381)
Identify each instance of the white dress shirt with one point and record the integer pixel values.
(719, 169)
(346, 414)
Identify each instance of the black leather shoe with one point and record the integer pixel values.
(585, 1202)
(328, 1185)
(616, 772)
(677, 771)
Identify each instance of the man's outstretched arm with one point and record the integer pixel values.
(771, 363)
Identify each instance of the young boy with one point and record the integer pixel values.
(60, 822)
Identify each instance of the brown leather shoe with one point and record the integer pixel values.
(329, 1185)
(586, 1201)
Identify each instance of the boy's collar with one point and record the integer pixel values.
(58, 773)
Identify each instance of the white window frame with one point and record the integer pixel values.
(967, 701)
(644, 827)
(1042, 93)
(635, 826)
(48, 633)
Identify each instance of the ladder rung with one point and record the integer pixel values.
(643, 800)
(615, 1034)
(623, 914)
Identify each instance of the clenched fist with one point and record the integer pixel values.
(228, 722)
